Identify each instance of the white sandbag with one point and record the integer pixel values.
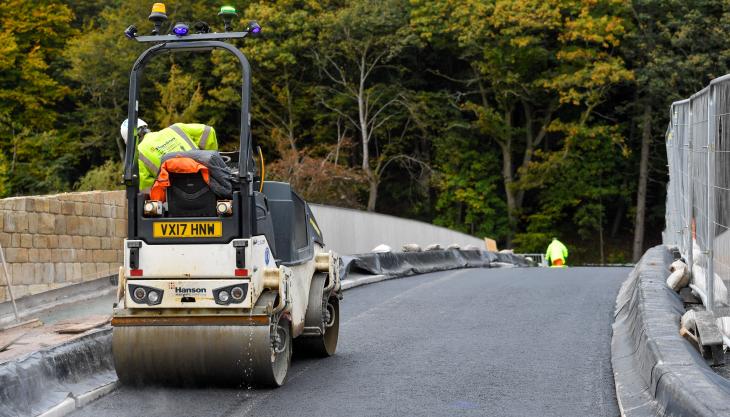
(679, 278)
(411, 247)
(454, 246)
(433, 246)
(383, 248)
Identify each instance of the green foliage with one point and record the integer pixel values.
(514, 119)
(104, 177)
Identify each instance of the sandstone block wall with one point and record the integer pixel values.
(57, 240)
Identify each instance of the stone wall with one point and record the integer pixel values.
(57, 240)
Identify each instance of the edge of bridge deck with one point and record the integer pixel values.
(656, 371)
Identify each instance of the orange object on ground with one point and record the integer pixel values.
(178, 165)
(558, 262)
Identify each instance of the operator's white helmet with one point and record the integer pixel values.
(123, 128)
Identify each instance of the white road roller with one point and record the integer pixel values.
(218, 291)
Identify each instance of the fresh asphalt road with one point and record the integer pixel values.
(473, 342)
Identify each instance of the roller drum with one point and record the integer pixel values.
(201, 355)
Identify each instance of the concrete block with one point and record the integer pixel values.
(2, 221)
(54, 206)
(77, 272)
(15, 241)
(78, 242)
(52, 241)
(16, 255)
(40, 241)
(65, 241)
(19, 204)
(16, 270)
(96, 210)
(26, 240)
(16, 222)
(60, 270)
(106, 242)
(120, 228)
(86, 226)
(5, 239)
(102, 269)
(99, 228)
(4, 294)
(107, 211)
(79, 209)
(33, 223)
(44, 255)
(88, 271)
(72, 225)
(38, 288)
(62, 255)
(20, 291)
(46, 223)
(30, 204)
(59, 226)
(92, 242)
(106, 255)
(67, 208)
(88, 210)
(42, 205)
(27, 273)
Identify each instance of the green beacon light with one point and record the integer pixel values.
(227, 13)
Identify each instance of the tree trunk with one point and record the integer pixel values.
(509, 191)
(641, 189)
(373, 194)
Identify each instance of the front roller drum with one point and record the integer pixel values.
(203, 355)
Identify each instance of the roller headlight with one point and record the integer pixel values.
(223, 296)
(224, 208)
(153, 208)
(153, 297)
(237, 293)
(139, 294)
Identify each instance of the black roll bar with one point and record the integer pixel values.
(131, 176)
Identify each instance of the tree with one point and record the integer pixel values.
(528, 60)
(359, 43)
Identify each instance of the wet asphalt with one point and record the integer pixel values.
(474, 342)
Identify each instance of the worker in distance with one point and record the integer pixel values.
(153, 146)
(556, 254)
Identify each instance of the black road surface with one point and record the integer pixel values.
(473, 342)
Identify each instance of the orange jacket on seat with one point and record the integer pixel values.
(178, 165)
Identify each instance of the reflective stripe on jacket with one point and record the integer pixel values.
(176, 138)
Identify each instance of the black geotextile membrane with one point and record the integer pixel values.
(398, 264)
(33, 384)
(656, 371)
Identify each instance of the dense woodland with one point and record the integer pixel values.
(514, 119)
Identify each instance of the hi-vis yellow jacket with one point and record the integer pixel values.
(556, 250)
(179, 137)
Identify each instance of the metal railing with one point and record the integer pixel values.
(698, 193)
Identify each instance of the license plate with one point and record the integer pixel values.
(187, 229)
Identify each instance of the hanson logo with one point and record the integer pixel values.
(183, 292)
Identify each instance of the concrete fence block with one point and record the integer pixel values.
(16, 255)
(27, 274)
(100, 228)
(19, 204)
(92, 242)
(16, 222)
(120, 228)
(60, 271)
(106, 211)
(39, 241)
(46, 223)
(15, 241)
(65, 241)
(26, 240)
(5, 239)
(52, 241)
(54, 206)
(16, 270)
(72, 225)
(59, 225)
(43, 205)
(77, 241)
(79, 209)
(67, 208)
(88, 271)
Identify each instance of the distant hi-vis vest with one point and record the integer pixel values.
(556, 250)
(179, 137)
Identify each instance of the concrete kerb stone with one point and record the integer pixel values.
(656, 371)
(102, 354)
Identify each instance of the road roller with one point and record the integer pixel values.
(217, 290)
